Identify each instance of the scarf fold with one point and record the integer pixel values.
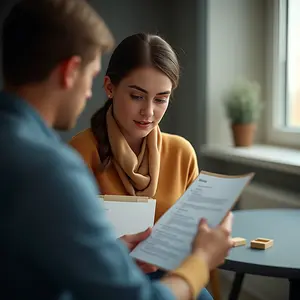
(139, 174)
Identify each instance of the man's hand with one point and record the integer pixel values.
(214, 244)
(132, 240)
(227, 222)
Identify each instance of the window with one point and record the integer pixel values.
(293, 65)
(284, 73)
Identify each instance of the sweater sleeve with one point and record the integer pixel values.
(70, 240)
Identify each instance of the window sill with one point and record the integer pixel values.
(270, 157)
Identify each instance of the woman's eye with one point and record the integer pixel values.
(136, 97)
(161, 100)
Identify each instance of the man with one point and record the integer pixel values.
(53, 242)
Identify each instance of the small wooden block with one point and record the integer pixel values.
(238, 241)
(261, 243)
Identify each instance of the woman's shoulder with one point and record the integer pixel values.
(85, 144)
(177, 143)
(84, 138)
(178, 151)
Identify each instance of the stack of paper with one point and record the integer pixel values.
(129, 214)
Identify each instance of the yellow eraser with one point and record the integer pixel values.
(238, 241)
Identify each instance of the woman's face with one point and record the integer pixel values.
(139, 101)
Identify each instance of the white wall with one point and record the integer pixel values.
(236, 48)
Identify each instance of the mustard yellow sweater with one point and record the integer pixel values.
(178, 168)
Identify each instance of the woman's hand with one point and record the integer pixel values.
(131, 241)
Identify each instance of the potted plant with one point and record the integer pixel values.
(243, 107)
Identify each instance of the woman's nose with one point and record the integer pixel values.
(147, 110)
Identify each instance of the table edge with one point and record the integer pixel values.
(262, 270)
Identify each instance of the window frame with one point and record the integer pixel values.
(276, 133)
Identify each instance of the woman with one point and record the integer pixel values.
(124, 148)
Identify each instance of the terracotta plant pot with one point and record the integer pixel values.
(243, 134)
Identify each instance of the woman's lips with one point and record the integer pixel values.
(143, 124)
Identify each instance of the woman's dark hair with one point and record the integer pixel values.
(135, 51)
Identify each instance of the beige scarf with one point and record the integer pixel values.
(139, 174)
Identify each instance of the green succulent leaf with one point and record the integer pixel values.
(243, 103)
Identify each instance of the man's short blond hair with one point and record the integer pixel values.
(39, 34)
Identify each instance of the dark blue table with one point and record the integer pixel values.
(281, 260)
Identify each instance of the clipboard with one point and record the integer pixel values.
(129, 214)
(125, 198)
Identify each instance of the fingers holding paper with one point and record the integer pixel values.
(213, 244)
(227, 222)
(132, 240)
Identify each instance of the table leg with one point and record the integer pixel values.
(236, 286)
(294, 293)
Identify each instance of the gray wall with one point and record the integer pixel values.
(183, 26)
(188, 35)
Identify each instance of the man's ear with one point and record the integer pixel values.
(69, 71)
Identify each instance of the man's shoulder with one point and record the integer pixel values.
(32, 167)
(57, 156)
(41, 155)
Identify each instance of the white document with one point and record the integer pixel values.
(210, 196)
(129, 217)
